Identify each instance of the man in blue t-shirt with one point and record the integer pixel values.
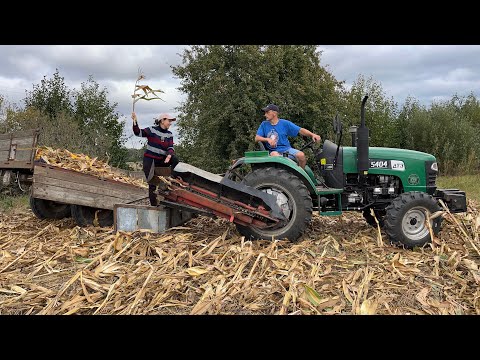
(274, 133)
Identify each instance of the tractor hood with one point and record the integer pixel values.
(412, 167)
(393, 154)
(379, 156)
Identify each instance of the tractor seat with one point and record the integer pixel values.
(295, 160)
(261, 146)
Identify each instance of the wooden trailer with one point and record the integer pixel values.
(90, 199)
(57, 192)
(17, 153)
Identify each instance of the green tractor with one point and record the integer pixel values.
(398, 185)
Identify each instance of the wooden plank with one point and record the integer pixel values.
(23, 148)
(72, 187)
(86, 179)
(20, 134)
(5, 145)
(104, 189)
(24, 143)
(21, 144)
(72, 196)
(23, 155)
(4, 154)
(12, 164)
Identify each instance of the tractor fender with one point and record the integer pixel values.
(278, 162)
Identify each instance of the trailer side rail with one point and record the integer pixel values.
(72, 187)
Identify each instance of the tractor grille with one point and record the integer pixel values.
(431, 177)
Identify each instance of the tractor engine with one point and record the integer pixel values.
(376, 188)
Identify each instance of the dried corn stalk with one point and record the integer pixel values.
(148, 92)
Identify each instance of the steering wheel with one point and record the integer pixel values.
(308, 144)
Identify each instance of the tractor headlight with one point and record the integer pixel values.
(434, 167)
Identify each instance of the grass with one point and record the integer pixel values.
(468, 183)
(11, 203)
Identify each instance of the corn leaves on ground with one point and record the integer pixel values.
(340, 266)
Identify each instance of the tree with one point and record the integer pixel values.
(99, 122)
(380, 112)
(227, 85)
(411, 123)
(51, 96)
(86, 115)
(443, 130)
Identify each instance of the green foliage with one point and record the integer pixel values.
(51, 96)
(135, 155)
(226, 87)
(10, 203)
(60, 132)
(447, 130)
(99, 123)
(380, 112)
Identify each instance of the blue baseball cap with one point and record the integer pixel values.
(271, 107)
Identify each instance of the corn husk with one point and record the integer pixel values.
(84, 164)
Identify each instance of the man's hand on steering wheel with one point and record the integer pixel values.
(309, 143)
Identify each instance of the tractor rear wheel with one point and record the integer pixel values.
(47, 209)
(85, 215)
(293, 198)
(406, 219)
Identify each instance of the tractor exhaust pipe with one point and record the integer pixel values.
(362, 114)
(362, 143)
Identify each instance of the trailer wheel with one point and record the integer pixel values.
(47, 209)
(405, 221)
(85, 215)
(380, 214)
(292, 196)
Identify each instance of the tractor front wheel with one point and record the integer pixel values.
(293, 198)
(406, 219)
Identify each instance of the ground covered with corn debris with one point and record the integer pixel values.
(340, 266)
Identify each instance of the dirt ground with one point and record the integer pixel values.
(340, 266)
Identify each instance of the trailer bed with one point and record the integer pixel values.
(17, 150)
(72, 187)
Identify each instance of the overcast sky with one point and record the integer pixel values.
(433, 72)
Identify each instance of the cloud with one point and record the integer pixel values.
(76, 62)
(426, 72)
